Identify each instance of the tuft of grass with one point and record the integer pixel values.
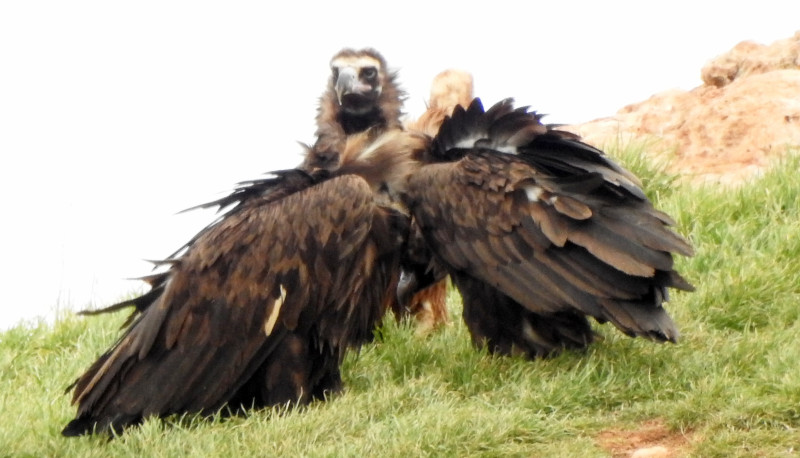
(730, 387)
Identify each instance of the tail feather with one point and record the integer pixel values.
(642, 320)
(110, 426)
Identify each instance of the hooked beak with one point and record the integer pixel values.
(348, 83)
(406, 288)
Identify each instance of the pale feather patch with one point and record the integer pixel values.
(571, 207)
(468, 142)
(507, 149)
(377, 145)
(276, 310)
(356, 62)
(400, 145)
(533, 192)
(427, 306)
(531, 336)
(498, 146)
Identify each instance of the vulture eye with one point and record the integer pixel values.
(369, 72)
(335, 72)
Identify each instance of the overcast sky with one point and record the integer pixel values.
(114, 115)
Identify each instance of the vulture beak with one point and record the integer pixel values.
(413, 280)
(348, 83)
(406, 288)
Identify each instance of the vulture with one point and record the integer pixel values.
(259, 308)
(537, 230)
(363, 96)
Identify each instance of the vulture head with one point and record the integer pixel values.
(361, 96)
(357, 79)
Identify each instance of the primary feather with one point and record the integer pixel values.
(260, 307)
(539, 230)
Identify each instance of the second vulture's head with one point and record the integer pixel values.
(358, 78)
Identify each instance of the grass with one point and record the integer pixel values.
(731, 387)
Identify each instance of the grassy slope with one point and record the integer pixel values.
(731, 387)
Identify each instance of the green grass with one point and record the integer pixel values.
(731, 387)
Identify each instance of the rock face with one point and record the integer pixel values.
(748, 58)
(732, 127)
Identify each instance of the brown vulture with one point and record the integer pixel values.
(538, 231)
(259, 308)
(363, 96)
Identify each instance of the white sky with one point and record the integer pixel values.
(116, 115)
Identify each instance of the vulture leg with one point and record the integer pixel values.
(503, 326)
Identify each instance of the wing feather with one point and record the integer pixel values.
(271, 269)
(548, 221)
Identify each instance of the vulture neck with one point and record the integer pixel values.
(385, 161)
(385, 114)
(353, 124)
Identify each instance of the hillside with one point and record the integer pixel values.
(730, 387)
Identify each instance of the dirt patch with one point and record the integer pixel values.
(651, 439)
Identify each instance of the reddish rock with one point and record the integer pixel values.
(749, 58)
(730, 128)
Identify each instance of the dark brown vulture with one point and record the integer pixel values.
(363, 96)
(260, 307)
(538, 231)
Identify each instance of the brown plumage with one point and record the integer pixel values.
(449, 89)
(261, 306)
(538, 231)
(428, 305)
(362, 94)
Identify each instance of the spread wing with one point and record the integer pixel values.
(547, 221)
(258, 310)
(277, 185)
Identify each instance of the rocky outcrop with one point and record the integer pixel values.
(749, 58)
(744, 116)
